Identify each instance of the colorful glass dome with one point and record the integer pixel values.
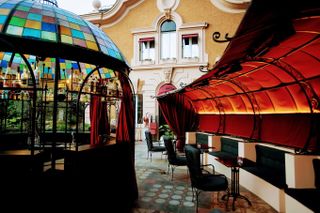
(29, 24)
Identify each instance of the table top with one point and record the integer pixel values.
(21, 152)
(235, 161)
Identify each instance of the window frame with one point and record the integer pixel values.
(150, 50)
(168, 40)
(189, 47)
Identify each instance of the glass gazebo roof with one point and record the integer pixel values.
(49, 27)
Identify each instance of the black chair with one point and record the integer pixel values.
(151, 147)
(174, 160)
(201, 181)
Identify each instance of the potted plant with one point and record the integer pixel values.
(164, 130)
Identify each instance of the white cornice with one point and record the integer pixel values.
(115, 14)
(232, 6)
(153, 67)
(153, 29)
(194, 25)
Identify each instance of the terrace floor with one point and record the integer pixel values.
(158, 194)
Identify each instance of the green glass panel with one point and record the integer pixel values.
(16, 21)
(23, 8)
(49, 36)
(13, 30)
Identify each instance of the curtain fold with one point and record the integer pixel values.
(99, 120)
(179, 115)
(125, 129)
(94, 118)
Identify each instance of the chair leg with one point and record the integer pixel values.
(192, 193)
(172, 170)
(197, 199)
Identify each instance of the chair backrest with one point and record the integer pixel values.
(149, 140)
(316, 167)
(193, 163)
(170, 149)
(153, 128)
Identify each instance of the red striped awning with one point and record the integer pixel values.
(146, 39)
(190, 35)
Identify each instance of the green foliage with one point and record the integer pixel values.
(165, 130)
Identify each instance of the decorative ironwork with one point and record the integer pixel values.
(216, 36)
(203, 69)
(49, 2)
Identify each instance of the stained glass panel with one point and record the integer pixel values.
(33, 20)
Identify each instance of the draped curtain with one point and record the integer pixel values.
(179, 115)
(99, 120)
(125, 129)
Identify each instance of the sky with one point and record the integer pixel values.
(80, 7)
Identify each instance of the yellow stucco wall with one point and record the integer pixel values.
(140, 16)
(191, 11)
(204, 10)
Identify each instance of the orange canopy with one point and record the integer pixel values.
(267, 84)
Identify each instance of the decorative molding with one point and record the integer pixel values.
(157, 22)
(168, 74)
(167, 5)
(176, 18)
(232, 6)
(114, 15)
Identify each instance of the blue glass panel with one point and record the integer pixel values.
(35, 17)
(48, 27)
(4, 63)
(31, 32)
(7, 5)
(28, 4)
(75, 66)
(77, 33)
(2, 19)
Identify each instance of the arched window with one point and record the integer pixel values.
(168, 40)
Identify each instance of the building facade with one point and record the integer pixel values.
(166, 42)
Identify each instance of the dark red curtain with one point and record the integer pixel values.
(125, 129)
(179, 115)
(99, 120)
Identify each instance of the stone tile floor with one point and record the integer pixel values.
(159, 194)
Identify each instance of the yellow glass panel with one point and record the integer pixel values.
(62, 66)
(33, 24)
(75, 26)
(92, 45)
(4, 11)
(66, 39)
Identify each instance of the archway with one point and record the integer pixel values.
(165, 88)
